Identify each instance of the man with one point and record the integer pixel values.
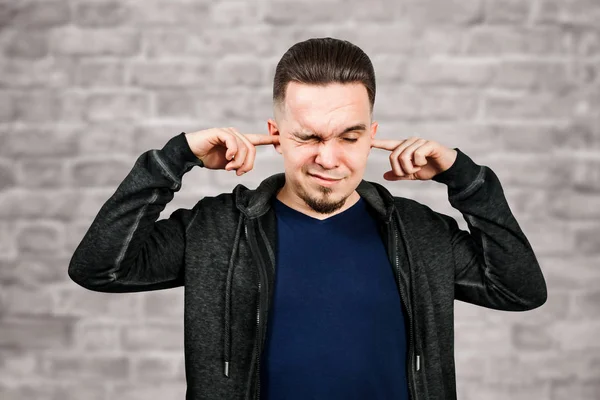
(317, 284)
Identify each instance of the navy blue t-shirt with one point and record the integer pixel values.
(336, 329)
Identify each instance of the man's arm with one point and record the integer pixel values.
(495, 266)
(126, 249)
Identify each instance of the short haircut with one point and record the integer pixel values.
(321, 61)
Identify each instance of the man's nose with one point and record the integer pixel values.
(328, 154)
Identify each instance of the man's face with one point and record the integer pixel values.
(324, 131)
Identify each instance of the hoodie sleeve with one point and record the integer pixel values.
(495, 265)
(126, 249)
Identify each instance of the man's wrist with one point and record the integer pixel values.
(188, 138)
(460, 174)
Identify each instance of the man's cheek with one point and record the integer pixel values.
(358, 156)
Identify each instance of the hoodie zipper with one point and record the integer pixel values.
(258, 340)
(411, 380)
(258, 350)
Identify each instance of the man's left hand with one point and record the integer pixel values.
(415, 158)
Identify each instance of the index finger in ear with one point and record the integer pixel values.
(386, 144)
(258, 139)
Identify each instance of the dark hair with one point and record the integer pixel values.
(320, 61)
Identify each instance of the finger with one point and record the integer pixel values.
(395, 156)
(250, 156)
(406, 157)
(258, 139)
(240, 155)
(421, 154)
(386, 144)
(230, 142)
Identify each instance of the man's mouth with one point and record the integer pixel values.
(324, 179)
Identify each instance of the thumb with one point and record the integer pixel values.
(391, 176)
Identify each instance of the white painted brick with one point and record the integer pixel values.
(92, 84)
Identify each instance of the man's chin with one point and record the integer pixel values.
(323, 203)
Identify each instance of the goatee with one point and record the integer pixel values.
(322, 205)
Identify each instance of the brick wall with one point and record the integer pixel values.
(87, 85)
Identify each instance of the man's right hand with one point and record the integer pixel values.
(226, 148)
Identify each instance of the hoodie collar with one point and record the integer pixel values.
(254, 203)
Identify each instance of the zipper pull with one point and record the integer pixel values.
(418, 362)
(227, 368)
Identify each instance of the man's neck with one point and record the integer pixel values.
(293, 201)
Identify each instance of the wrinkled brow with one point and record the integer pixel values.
(307, 134)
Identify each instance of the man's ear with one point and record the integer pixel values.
(372, 132)
(374, 127)
(273, 130)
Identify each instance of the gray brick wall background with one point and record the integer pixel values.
(86, 86)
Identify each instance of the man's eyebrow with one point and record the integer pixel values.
(358, 127)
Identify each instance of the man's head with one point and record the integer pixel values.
(323, 97)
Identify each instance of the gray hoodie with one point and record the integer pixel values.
(223, 252)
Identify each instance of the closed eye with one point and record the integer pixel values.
(350, 140)
(307, 138)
